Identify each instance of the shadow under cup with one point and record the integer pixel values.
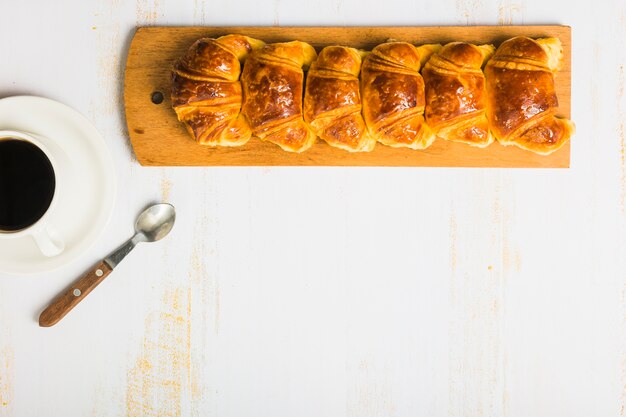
(27, 184)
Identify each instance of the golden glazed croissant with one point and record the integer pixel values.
(273, 84)
(332, 100)
(513, 100)
(206, 92)
(522, 100)
(456, 98)
(393, 94)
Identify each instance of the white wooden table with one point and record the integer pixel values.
(331, 291)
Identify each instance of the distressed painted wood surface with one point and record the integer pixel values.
(158, 138)
(331, 291)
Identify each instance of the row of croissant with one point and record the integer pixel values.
(229, 89)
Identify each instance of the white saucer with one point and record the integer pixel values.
(82, 217)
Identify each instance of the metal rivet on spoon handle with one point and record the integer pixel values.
(153, 224)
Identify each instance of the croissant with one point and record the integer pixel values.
(522, 101)
(273, 84)
(393, 94)
(332, 99)
(206, 92)
(456, 98)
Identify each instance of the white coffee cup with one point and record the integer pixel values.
(43, 231)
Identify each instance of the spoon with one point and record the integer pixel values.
(153, 224)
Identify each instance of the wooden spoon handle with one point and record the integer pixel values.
(74, 295)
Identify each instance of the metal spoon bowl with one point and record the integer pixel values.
(156, 222)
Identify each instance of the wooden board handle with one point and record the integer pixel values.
(74, 295)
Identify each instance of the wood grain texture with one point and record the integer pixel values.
(159, 139)
(6, 380)
(65, 302)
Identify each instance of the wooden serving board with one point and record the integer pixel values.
(158, 138)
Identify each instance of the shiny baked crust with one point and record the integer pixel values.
(206, 92)
(393, 94)
(273, 86)
(332, 100)
(522, 101)
(456, 97)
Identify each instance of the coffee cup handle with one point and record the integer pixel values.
(49, 241)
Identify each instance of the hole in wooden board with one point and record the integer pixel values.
(157, 97)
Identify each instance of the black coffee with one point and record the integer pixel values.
(27, 184)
